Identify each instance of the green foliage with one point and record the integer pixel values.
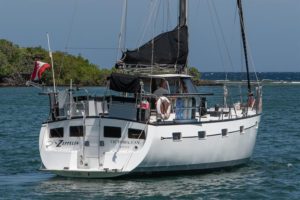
(193, 71)
(16, 62)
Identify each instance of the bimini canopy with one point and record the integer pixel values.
(124, 83)
(169, 48)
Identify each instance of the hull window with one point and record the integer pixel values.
(57, 132)
(136, 134)
(113, 132)
(76, 131)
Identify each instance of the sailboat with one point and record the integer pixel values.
(153, 122)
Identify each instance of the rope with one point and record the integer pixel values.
(146, 125)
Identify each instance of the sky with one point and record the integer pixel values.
(91, 27)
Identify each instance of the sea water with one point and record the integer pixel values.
(272, 173)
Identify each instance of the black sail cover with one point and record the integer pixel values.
(168, 48)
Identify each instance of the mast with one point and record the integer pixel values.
(182, 13)
(240, 7)
(168, 50)
(182, 22)
(52, 65)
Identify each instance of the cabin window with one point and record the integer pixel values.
(201, 134)
(76, 131)
(112, 132)
(177, 136)
(224, 132)
(57, 132)
(136, 134)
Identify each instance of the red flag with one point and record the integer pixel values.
(39, 69)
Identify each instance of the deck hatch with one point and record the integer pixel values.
(112, 132)
(76, 131)
(136, 134)
(57, 132)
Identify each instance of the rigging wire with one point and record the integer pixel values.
(250, 53)
(122, 40)
(217, 39)
(243, 34)
(75, 7)
(94, 48)
(222, 33)
(168, 15)
(252, 61)
(234, 24)
(153, 35)
(152, 9)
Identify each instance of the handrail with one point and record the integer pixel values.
(188, 94)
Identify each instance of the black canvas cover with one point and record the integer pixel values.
(124, 83)
(169, 48)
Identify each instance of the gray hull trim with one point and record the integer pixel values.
(149, 171)
(195, 167)
(85, 174)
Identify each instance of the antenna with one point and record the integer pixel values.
(51, 57)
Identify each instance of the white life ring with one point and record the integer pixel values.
(163, 107)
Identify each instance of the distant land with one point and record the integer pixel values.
(17, 64)
(261, 76)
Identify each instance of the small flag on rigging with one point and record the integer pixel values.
(39, 69)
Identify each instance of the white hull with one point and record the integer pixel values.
(151, 119)
(103, 157)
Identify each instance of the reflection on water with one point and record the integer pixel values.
(177, 186)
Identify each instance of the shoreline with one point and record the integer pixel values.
(198, 83)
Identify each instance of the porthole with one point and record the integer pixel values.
(241, 129)
(201, 134)
(176, 136)
(224, 132)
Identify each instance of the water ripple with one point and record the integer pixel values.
(273, 172)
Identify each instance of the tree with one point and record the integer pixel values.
(193, 71)
(17, 64)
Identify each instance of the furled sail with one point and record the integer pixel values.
(167, 49)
